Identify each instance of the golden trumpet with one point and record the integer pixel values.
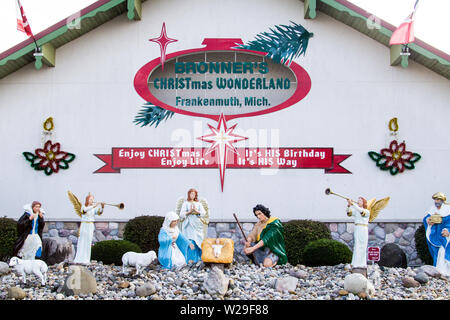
(119, 206)
(328, 192)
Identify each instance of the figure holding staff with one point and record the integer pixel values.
(266, 240)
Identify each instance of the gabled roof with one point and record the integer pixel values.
(104, 10)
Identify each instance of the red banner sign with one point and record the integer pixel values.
(248, 158)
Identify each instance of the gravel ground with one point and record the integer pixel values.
(247, 282)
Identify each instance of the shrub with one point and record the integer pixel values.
(8, 237)
(144, 232)
(297, 235)
(422, 246)
(326, 252)
(111, 251)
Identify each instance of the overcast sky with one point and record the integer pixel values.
(431, 25)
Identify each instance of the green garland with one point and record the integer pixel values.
(283, 44)
(152, 115)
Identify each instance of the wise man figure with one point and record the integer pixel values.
(437, 226)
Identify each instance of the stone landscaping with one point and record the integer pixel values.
(240, 281)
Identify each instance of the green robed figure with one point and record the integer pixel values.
(267, 233)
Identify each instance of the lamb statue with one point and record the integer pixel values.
(38, 267)
(138, 260)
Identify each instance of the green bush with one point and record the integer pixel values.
(111, 251)
(422, 246)
(8, 237)
(298, 234)
(144, 232)
(326, 252)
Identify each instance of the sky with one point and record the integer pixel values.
(431, 23)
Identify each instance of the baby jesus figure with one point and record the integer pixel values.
(217, 248)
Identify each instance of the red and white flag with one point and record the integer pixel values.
(22, 22)
(404, 34)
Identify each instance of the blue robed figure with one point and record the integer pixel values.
(437, 234)
(175, 250)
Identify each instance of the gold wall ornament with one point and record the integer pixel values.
(393, 125)
(48, 124)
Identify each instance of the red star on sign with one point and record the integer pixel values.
(222, 139)
(163, 41)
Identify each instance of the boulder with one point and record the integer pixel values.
(145, 290)
(56, 250)
(430, 271)
(81, 281)
(216, 282)
(286, 284)
(4, 268)
(356, 283)
(16, 293)
(392, 256)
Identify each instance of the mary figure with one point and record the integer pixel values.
(174, 249)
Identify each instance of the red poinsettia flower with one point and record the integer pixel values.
(50, 156)
(396, 155)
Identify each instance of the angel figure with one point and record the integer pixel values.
(367, 212)
(194, 218)
(87, 213)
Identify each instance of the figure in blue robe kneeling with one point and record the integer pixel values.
(438, 236)
(175, 250)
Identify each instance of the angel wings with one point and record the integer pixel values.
(375, 207)
(75, 202)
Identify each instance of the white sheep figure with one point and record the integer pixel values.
(38, 267)
(138, 260)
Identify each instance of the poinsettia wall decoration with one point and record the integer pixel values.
(50, 158)
(395, 159)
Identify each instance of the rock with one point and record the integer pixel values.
(59, 296)
(343, 292)
(99, 235)
(356, 283)
(216, 282)
(421, 277)
(341, 228)
(409, 282)
(390, 238)
(16, 293)
(286, 284)
(347, 237)
(56, 250)
(81, 281)
(53, 233)
(392, 256)
(145, 290)
(379, 232)
(299, 274)
(408, 234)
(4, 268)
(430, 271)
(362, 295)
(124, 284)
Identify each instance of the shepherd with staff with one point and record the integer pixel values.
(266, 241)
